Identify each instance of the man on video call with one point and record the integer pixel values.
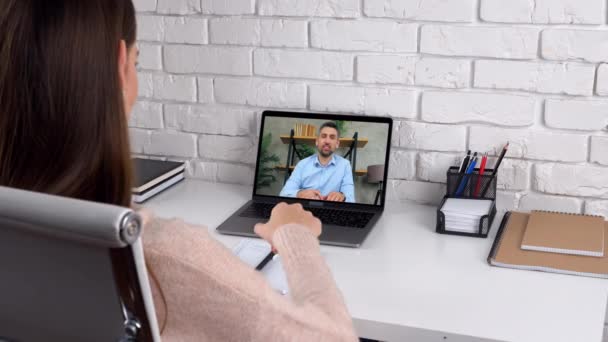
(323, 176)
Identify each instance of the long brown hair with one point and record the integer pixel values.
(63, 128)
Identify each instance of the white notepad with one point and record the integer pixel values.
(252, 252)
(464, 215)
(461, 206)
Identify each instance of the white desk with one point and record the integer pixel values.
(408, 283)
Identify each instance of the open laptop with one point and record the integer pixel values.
(322, 162)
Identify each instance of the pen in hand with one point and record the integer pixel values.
(266, 260)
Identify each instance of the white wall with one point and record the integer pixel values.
(454, 74)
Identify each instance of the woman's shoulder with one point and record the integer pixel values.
(169, 234)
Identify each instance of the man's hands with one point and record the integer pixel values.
(335, 197)
(310, 194)
(316, 195)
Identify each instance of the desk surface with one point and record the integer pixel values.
(408, 281)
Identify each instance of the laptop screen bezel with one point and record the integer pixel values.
(328, 117)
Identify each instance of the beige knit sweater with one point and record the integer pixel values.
(202, 292)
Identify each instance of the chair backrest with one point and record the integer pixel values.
(71, 270)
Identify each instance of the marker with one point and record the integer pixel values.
(482, 169)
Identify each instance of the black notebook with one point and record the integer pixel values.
(150, 173)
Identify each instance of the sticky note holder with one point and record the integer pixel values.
(476, 187)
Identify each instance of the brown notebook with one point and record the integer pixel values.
(506, 252)
(564, 233)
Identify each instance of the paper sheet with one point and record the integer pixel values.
(252, 252)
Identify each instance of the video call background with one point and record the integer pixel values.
(372, 154)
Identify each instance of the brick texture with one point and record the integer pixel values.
(454, 75)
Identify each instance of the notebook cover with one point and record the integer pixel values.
(564, 233)
(149, 172)
(506, 252)
(151, 192)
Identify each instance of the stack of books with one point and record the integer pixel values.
(305, 130)
(154, 176)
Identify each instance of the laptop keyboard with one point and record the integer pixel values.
(337, 217)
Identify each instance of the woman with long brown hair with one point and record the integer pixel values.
(67, 83)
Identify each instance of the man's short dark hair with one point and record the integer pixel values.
(330, 124)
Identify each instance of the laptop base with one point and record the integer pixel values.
(331, 235)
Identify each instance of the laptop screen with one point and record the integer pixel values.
(328, 158)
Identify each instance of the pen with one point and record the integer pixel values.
(465, 162)
(266, 260)
(461, 171)
(495, 171)
(465, 180)
(482, 169)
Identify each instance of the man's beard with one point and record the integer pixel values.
(325, 154)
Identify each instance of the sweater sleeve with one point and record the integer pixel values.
(204, 293)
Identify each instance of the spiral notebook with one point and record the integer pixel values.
(564, 233)
(507, 252)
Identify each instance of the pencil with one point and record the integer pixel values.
(495, 171)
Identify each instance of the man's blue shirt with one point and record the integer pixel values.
(336, 176)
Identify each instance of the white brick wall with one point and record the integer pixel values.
(599, 150)
(499, 109)
(232, 7)
(544, 11)
(145, 5)
(601, 87)
(235, 30)
(576, 114)
(532, 201)
(364, 36)
(147, 115)
(372, 101)
(178, 88)
(423, 136)
(150, 56)
(311, 8)
(574, 180)
(403, 165)
(226, 148)
(432, 10)
(187, 59)
(260, 93)
(304, 64)
(530, 143)
(582, 45)
(428, 71)
(596, 208)
(178, 6)
(284, 33)
(185, 30)
(480, 41)
(552, 78)
(455, 75)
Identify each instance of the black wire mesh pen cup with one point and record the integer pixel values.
(472, 187)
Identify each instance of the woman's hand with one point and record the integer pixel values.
(283, 214)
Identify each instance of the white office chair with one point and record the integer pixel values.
(71, 270)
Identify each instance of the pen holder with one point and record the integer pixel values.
(472, 187)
